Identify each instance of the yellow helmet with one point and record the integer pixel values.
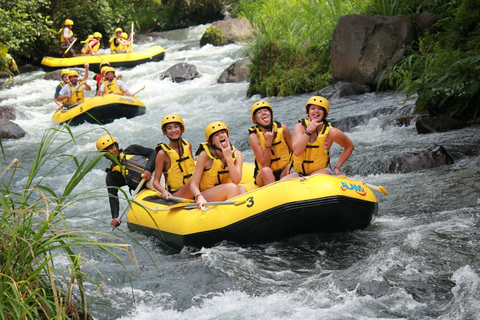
(124, 35)
(68, 22)
(109, 69)
(214, 127)
(64, 72)
(104, 63)
(72, 73)
(97, 35)
(105, 141)
(259, 105)
(118, 30)
(172, 118)
(319, 101)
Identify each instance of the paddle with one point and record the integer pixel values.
(68, 49)
(133, 95)
(379, 188)
(140, 184)
(131, 39)
(193, 204)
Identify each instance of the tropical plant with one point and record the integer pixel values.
(35, 235)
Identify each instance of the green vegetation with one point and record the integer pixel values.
(291, 53)
(214, 36)
(35, 237)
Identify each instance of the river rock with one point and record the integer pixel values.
(181, 72)
(441, 123)
(434, 156)
(424, 21)
(10, 130)
(342, 89)
(7, 113)
(364, 47)
(236, 72)
(234, 29)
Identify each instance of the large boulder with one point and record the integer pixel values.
(434, 156)
(181, 72)
(233, 29)
(10, 130)
(438, 124)
(236, 72)
(342, 89)
(363, 47)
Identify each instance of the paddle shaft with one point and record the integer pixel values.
(138, 91)
(140, 184)
(69, 47)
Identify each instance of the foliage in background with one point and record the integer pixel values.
(7, 63)
(156, 15)
(35, 239)
(291, 53)
(444, 71)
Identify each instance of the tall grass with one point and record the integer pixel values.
(35, 234)
(291, 52)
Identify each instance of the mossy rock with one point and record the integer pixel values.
(214, 36)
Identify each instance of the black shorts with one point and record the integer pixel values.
(276, 174)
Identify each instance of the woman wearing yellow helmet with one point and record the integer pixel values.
(92, 44)
(219, 167)
(174, 160)
(64, 75)
(271, 144)
(312, 139)
(66, 36)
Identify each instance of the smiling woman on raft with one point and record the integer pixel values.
(219, 167)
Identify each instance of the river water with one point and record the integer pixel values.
(418, 260)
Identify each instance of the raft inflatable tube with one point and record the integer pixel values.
(101, 110)
(284, 209)
(125, 60)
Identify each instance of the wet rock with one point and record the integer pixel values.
(364, 47)
(342, 89)
(404, 121)
(441, 123)
(181, 72)
(434, 156)
(10, 130)
(233, 29)
(7, 113)
(424, 21)
(237, 72)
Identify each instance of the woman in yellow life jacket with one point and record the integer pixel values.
(271, 144)
(116, 42)
(127, 46)
(92, 44)
(219, 167)
(174, 160)
(312, 139)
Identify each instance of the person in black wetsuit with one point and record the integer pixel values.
(136, 163)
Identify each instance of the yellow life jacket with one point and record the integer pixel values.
(62, 38)
(280, 154)
(95, 47)
(112, 88)
(316, 155)
(181, 167)
(216, 174)
(78, 96)
(131, 168)
(114, 46)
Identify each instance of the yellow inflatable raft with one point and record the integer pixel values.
(126, 60)
(284, 209)
(100, 110)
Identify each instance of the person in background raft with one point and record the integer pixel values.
(219, 167)
(312, 139)
(66, 37)
(136, 163)
(119, 43)
(111, 85)
(92, 44)
(127, 45)
(174, 160)
(64, 75)
(74, 91)
(271, 143)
